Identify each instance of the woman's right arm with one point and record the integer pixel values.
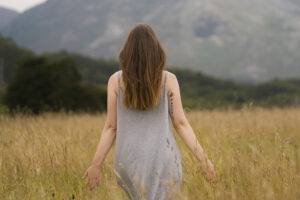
(183, 128)
(108, 135)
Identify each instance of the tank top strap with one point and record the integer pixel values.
(119, 72)
(165, 72)
(164, 85)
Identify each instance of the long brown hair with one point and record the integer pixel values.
(142, 60)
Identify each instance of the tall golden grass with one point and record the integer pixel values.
(256, 153)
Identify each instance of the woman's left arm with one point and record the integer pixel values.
(107, 137)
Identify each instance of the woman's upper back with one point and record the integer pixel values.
(132, 119)
(172, 92)
(121, 88)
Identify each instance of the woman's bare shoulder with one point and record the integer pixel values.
(113, 82)
(171, 76)
(171, 82)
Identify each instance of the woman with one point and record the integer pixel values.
(140, 98)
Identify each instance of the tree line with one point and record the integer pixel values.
(74, 82)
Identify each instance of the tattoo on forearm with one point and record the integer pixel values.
(171, 109)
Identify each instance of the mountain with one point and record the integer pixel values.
(6, 16)
(249, 40)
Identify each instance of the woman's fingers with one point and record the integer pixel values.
(208, 171)
(215, 182)
(91, 180)
(91, 183)
(97, 183)
(213, 175)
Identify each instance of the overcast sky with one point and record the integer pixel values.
(19, 5)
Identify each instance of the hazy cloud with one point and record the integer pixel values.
(20, 5)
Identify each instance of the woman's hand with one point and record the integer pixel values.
(208, 171)
(91, 175)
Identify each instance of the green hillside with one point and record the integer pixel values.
(198, 90)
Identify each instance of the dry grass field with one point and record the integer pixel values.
(256, 153)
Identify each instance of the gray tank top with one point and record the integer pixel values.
(146, 155)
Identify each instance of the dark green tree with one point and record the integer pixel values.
(43, 85)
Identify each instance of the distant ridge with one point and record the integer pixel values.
(6, 16)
